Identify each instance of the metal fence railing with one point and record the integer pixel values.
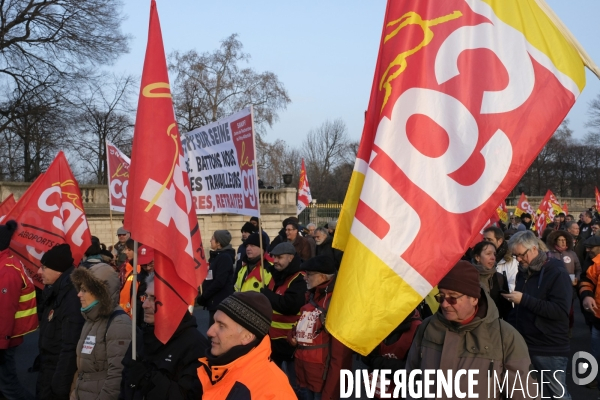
(319, 214)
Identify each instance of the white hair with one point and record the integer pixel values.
(527, 239)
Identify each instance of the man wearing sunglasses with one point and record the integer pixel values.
(466, 334)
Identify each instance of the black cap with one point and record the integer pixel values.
(322, 264)
(592, 241)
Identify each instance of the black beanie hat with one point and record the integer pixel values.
(58, 258)
(248, 227)
(254, 239)
(322, 264)
(6, 232)
(462, 278)
(252, 310)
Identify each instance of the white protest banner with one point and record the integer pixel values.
(117, 165)
(221, 167)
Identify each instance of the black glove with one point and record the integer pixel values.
(139, 371)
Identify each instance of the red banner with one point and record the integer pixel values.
(117, 164)
(50, 212)
(159, 210)
(565, 208)
(6, 206)
(597, 193)
(304, 196)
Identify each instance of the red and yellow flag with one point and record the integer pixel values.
(465, 95)
(502, 212)
(550, 207)
(597, 193)
(523, 206)
(159, 211)
(565, 208)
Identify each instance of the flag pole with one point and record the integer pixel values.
(260, 236)
(134, 301)
(112, 231)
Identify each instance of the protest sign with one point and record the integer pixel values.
(221, 166)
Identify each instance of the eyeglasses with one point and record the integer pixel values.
(440, 297)
(522, 255)
(122, 234)
(148, 297)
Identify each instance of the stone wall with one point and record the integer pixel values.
(276, 205)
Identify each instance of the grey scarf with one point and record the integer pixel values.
(536, 264)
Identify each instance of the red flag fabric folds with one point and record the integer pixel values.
(159, 210)
(50, 212)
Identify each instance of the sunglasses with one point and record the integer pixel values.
(440, 297)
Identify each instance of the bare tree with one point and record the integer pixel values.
(33, 134)
(594, 118)
(56, 38)
(325, 149)
(209, 86)
(277, 159)
(102, 112)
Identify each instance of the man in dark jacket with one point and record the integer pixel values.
(324, 240)
(247, 230)
(163, 371)
(60, 325)
(219, 281)
(286, 293)
(542, 300)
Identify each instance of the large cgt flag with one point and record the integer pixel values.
(465, 95)
(159, 210)
(50, 212)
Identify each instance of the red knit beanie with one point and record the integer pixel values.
(462, 278)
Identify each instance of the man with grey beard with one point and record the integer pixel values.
(323, 240)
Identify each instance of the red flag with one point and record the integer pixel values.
(549, 207)
(597, 198)
(117, 165)
(541, 223)
(304, 196)
(50, 212)
(6, 206)
(523, 206)
(466, 92)
(159, 210)
(565, 208)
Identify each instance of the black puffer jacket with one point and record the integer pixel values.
(165, 371)
(60, 327)
(219, 281)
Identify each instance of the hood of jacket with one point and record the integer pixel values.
(553, 236)
(225, 250)
(102, 282)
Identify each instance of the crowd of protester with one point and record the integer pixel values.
(507, 307)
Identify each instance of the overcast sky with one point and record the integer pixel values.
(323, 51)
